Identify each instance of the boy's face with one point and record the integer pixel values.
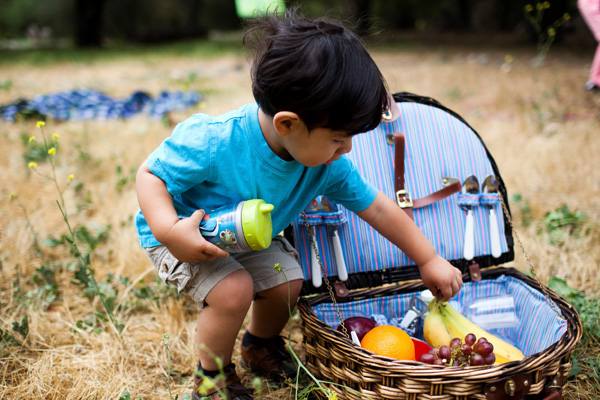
(290, 139)
(318, 146)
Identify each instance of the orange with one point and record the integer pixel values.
(390, 341)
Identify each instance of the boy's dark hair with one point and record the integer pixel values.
(316, 68)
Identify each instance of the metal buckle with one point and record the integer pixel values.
(403, 199)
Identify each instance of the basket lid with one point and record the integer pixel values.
(439, 145)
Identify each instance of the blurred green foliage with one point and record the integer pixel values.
(154, 20)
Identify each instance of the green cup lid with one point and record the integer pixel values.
(256, 223)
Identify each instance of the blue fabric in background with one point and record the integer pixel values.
(86, 104)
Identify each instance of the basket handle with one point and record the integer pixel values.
(529, 263)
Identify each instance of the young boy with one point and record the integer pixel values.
(315, 86)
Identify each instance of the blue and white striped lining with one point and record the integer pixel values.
(538, 328)
(438, 145)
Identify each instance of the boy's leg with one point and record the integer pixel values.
(223, 290)
(277, 281)
(225, 308)
(271, 309)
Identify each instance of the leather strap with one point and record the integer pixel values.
(341, 290)
(402, 196)
(437, 196)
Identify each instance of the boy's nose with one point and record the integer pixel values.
(346, 147)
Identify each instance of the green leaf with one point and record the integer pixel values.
(101, 316)
(125, 396)
(575, 368)
(22, 328)
(560, 286)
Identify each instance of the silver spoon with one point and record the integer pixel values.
(490, 185)
(470, 186)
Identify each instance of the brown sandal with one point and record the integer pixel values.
(269, 359)
(232, 388)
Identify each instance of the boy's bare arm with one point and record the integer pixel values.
(387, 218)
(181, 237)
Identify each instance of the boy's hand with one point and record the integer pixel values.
(187, 244)
(441, 278)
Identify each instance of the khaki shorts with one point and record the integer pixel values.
(197, 279)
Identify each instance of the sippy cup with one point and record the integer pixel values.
(241, 227)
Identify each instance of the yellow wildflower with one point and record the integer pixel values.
(277, 267)
(31, 139)
(40, 124)
(11, 196)
(52, 150)
(32, 164)
(529, 8)
(55, 136)
(546, 4)
(508, 58)
(206, 385)
(71, 176)
(567, 16)
(331, 395)
(551, 31)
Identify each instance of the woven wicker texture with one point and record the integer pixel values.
(353, 373)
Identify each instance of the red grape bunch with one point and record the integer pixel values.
(472, 352)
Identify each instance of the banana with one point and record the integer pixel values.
(459, 326)
(434, 327)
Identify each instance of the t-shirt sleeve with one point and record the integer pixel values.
(345, 185)
(182, 160)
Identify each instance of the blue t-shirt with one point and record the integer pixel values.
(209, 162)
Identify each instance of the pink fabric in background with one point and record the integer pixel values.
(590, 11)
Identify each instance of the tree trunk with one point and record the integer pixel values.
(88, 22)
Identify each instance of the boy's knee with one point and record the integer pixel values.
(295, 287)
(289, 290)
(234, 293)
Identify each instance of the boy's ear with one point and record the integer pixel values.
(286, 122)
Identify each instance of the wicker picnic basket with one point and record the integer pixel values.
(353, 373)
(377, 273)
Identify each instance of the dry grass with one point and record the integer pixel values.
(537, 121)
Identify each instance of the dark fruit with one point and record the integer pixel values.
(445, 352)
(472, 352)
(476, 359)
(489, 359)
(427, 358)
(483, 348)
(455, 343)
(470, 339)
(360, 325)
(466, 349)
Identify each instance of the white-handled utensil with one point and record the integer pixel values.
(354, 337)
(470, 186)
(339, 256)
(317, 279)
(490, 185)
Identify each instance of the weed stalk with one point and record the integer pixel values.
(84, 259)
